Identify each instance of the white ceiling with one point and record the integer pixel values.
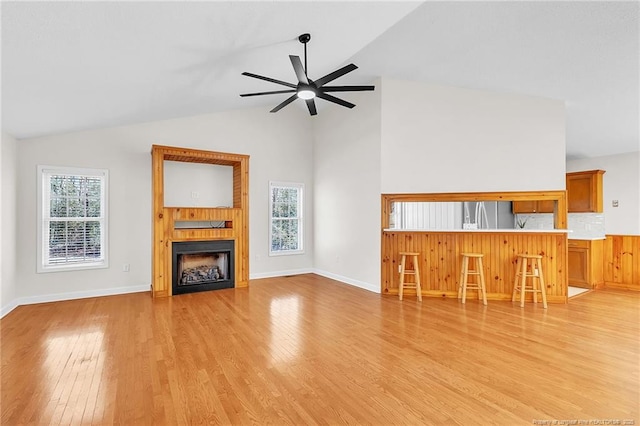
(70, 66)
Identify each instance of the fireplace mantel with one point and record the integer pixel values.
(165, 232)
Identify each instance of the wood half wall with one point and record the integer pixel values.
(440, 260)
(621, 262)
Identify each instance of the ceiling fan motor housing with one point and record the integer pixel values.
(304, 38)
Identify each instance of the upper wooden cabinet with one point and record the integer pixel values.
(584, 191)
(542, 206)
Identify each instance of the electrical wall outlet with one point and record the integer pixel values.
(195, 194)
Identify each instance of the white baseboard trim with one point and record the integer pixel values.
(58, 297)
(280, 273)
(347, 280)
(8, 308)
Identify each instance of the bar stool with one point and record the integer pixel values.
(415, 272)
(529, 266)
(464, 277)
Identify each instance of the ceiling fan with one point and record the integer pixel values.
(306, 88)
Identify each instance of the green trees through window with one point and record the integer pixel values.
(286, 218)
(79, 198)
(73, 217)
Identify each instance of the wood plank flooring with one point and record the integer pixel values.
(308, 350)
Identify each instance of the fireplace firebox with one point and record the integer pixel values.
(202, 265)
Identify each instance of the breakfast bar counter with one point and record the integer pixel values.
(440, 259)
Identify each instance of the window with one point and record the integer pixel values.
(72, 224)
(285, 214)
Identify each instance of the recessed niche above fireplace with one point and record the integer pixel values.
(202, 265)
(190, 185)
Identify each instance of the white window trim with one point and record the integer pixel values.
(300, 186)
(42, 239)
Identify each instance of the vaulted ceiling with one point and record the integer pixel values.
(69, 66)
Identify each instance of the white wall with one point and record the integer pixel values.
(280, 149)
(197, 185)
(620, 182)
(347, 191)
(447, 139)
(8, 157)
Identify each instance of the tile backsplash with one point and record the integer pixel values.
(583, 225)
(586, 225)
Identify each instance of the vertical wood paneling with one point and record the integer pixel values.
(609, 258)
(490, 271)
(237, 186)
(440, 260)
(165, 251)
(622, 261)
(627, 260)
(158, 260)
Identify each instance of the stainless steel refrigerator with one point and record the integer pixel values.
(487, 215)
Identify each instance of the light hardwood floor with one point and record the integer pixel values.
(308, 350)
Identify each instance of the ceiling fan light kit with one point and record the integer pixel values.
(306, 88)
(306, 93)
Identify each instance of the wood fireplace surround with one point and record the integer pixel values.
(235, 218)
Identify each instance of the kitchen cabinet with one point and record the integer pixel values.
(585, 264)
(584, 191)
(533, 206)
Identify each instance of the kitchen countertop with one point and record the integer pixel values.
(520, 231)
(571, 237)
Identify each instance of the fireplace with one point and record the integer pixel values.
(202, 266)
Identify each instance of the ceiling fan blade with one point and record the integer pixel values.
(335, 100)
(272, 80)
(267, 93)
(345, 88)
(337, 73)
(299, 69)
(285, 103)
(312, 107)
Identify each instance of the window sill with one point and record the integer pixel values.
(69, 268)
(285, 253)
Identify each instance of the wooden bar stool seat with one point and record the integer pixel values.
(404, 272)
(529, 266)
(464, 277)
